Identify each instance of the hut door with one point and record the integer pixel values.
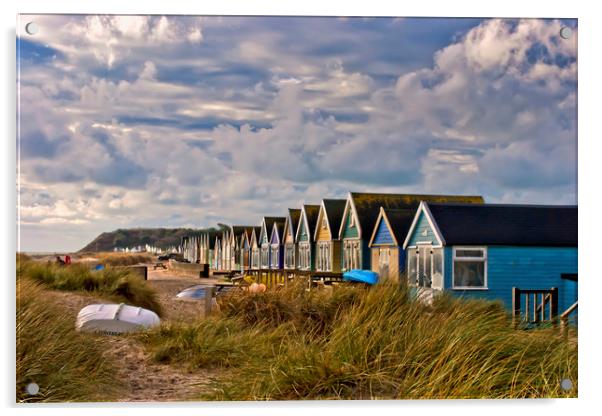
(383, 260)
(424, 266)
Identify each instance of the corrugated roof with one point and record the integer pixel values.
(367, 205)
(503, 224)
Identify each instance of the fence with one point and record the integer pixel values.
(538, 303)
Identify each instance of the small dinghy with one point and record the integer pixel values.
(113, 319)
(361, 276)
(196, 292)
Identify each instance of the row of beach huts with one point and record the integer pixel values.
(455, 243)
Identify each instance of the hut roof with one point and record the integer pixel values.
(311, 214)
(335, 208)
(367, 205)
(295, 215)
(280, 224)
(400, 221)
(504, 224)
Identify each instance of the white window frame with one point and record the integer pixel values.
(485, 259)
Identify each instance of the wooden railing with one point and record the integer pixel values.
(564, 319)
(536, 303)
(273, 277)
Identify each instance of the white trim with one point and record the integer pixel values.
(356, 220)
(275, 228)
(318, 223)
(423, 208)
(485, 259)
(304, 218)
(264, 229)
(414, 222)
(434, 225)
(343, 220)
(381, 214)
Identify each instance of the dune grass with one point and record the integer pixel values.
(117, 284)
(120, 259)
(289, 344)
(125, 259)
(66, 365)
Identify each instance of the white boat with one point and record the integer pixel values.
(113, 319)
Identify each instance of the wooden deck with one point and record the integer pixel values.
(274, 277)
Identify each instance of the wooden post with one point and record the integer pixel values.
(515, 306)
(554, 305)
(209, 290)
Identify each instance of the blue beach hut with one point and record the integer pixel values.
(487, 250)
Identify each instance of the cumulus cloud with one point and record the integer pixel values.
(186, 121)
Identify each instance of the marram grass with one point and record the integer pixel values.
(289, 344)
(66, 365)
(117, 284)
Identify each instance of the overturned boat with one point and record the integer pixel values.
(361, 276)
(114, 319)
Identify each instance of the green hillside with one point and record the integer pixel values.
(158, 237)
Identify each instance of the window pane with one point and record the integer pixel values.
(469, 273)
(469, 253)
(412, 266)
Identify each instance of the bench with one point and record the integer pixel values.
(159, 265)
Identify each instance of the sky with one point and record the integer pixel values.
(187, 121)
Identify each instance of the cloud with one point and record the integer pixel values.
(185, 121)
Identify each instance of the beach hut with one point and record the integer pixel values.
(305, 238)
(486, 250)
(217, 254)
(277, 245)
(386, 243)
(236, 234)
(326, 235)
(245, 250)
(226, 248)
(264, 240)
(361, 212)
(290, 228)
(255, 248)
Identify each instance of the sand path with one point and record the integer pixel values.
(145, 379)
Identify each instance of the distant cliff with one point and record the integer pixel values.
(132, 237)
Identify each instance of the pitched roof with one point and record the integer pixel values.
(400, 221)
(295, 215)
(280, 224)
(240, 229)
(257, 230)
(335, 208)
(503, 224)
(269, 222)
(367, 205)
(311, 214)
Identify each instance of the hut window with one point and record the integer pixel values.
(324, 223)
(470, 268)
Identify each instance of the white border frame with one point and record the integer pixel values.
(485, 258)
